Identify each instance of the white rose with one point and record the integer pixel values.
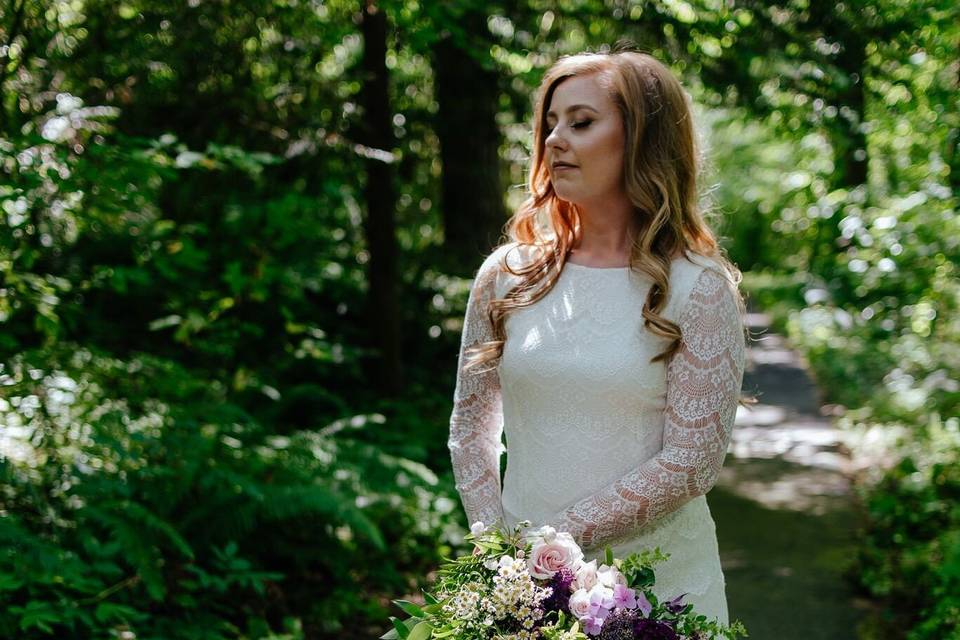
(610, 576)
(585, 577)
(580, 603)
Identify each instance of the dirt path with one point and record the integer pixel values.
(784, 507)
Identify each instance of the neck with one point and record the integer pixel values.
(606, 229)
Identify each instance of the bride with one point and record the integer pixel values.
(605, 339)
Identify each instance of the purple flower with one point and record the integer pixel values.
(600, 602)
(643, 604)
(646, 629)
(591, 625)
(624, 597)
(619, 625)
(559, 600)
(675, 606)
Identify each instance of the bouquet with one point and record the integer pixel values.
(534, 584)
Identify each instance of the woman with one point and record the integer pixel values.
(606, 339)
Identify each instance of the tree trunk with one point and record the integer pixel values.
(849, 144)
(380, 225)
(849, 139)
(472, 192)
(846, 134)
(953, 145)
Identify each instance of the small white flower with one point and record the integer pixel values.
(492, 564)
(548, 533)
(477, 528)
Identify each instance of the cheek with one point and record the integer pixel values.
(606, 161)
(606, 153)
(614, 153)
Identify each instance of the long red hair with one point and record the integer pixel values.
(661, 164)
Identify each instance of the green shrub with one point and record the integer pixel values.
(136, 498)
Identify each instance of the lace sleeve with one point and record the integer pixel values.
(704, 378)
(476, 423)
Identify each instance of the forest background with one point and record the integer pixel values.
(236, 240)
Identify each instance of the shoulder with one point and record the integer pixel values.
(691, 265)
(488, 277)
(494, 261)
(705, 278)
(512, 255)
(492, 265)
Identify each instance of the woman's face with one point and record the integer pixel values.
(584, 129)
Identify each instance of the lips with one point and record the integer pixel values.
(561, 165)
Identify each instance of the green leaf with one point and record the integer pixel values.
(411, 608)
(9, 582)
(401, 628)
(107, 611)
(293, 502)
(38, 614)
(394, 633)
(422, 631)
(129, 513)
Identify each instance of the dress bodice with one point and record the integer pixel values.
(582, 402)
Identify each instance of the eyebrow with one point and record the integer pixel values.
(573, 108)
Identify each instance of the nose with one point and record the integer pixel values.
(554, 140)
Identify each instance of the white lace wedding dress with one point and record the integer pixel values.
(601, 442)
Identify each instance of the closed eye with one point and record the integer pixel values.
(583, 124)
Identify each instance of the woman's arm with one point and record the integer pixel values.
(703, 386)
(476, 423)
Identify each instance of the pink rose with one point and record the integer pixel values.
(546, 558)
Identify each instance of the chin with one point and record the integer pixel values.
(565, 195)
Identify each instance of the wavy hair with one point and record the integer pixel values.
(661, 164)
